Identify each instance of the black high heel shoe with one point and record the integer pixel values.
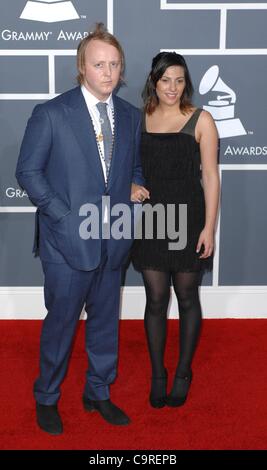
(158, 393)
(180, 389)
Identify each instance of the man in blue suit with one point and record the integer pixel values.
(77, 148)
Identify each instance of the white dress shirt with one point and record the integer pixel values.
(91, 102)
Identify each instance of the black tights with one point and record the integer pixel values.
(157, 286)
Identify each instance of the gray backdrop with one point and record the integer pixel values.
(37, 60)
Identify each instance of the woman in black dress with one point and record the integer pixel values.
(179, 147)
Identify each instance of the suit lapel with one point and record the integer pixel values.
(83, 130)
(122, 132)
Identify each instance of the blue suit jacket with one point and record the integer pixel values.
(60, 168)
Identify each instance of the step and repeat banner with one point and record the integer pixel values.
(225, 46)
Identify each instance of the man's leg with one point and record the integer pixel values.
(65, 292)
(102, 307)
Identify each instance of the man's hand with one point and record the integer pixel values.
(139, 193)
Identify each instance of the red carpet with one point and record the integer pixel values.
(226, 408)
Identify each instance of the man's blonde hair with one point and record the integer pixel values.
(100, 33)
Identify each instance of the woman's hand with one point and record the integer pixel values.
(206, 238)
(139, 193)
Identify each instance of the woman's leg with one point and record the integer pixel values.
(186, 290)
(157, 286)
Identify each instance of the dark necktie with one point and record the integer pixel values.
(106, 132)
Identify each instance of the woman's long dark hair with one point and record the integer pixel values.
(160, 63)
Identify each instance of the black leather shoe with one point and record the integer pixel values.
(158, 393)
(48, 419)
(110, 412)
(180, 390)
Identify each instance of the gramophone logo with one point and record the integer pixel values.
(222, 108)
(49, 11)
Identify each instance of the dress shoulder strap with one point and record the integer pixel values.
(190, 126)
